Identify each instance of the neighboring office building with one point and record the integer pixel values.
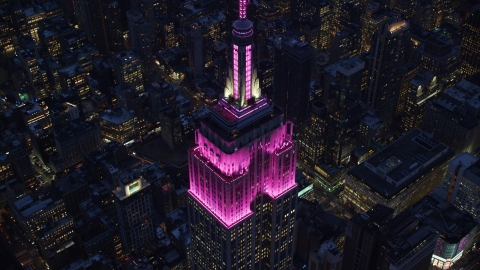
(55, 237)
(127, 69)
(74, 140)
(73, 77)
(375, 241)
(141, 33)
(64, 112)
(470, 43)
(387, 55)
(423, 88)
(461, 185)
(32, 213)
(439, 55)
(399, 175)
(456, 229)
(171, 127)
(119, 125)
(292, 79)
(134, 206)
(73, 189)
(453, 117)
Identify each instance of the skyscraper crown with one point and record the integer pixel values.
(242, 86)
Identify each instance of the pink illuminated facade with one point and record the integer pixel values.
(242, 173)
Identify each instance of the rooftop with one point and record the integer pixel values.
(350, 66)
(130, 186)
(208, 20)
(52, 225)
(183, 234)
(401, 163)
(71, 181)
(71, 70)
(451, 223)
(301, 50)
(72, 129)
(117, 115)
(127, 56)
(372, 122)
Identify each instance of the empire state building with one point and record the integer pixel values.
(242, 173)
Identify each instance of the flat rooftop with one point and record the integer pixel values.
(450, 222)
(401, 163)
(117, 115)
(121, 191)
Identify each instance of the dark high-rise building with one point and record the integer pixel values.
(371, 19)
(421, 89)
(423, 15)
(346, 42)
(171, 127)
(195, 49)
(311, 143)
(292, 78)
(369, 137)
(73, 79)
(314, 19)
(73, 189)
(374, 242)
(349, 72)
(141, 35)
(359, 234)
(386, 59)
(74, 140)
(470, 43)
(461, 186)
(439, 55)
(127, 69)
(91, 19)
(344, 116)
(166, 33)
(102, 22)
(265, 75)
(18, 157)
(267, 12)
(453, 117)
(242, 173)
(407, 73)
(145, 7)
(134, 207)
(37, 77)
(113, 27)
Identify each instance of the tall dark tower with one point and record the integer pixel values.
(386, 59)
(293, 63)
(243, 194)
(470, 43)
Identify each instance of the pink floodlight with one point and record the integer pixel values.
(235, 72)
(242, 9)
(248, 72)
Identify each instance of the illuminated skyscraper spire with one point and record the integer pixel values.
(242, 85)
(242, 9)
(242, 194)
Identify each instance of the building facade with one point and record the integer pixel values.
(292, 79)
(242, 211)
(470, 43)
(134, 207)
(399, 175)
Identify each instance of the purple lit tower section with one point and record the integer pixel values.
(242, 173)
